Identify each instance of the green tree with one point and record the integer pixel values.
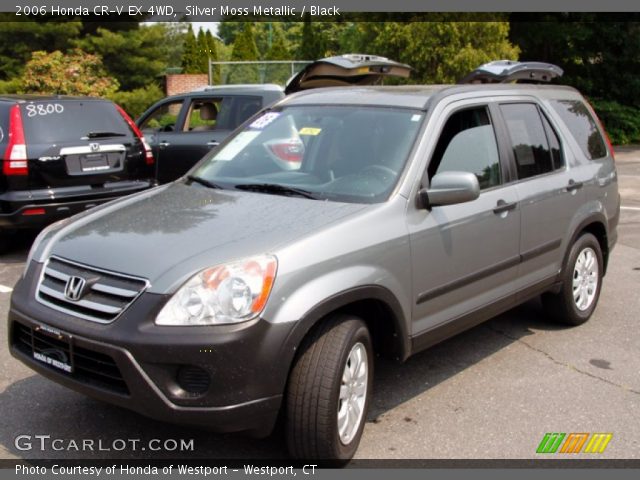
(19, 39)
(212, 50)
(439, 52)
(599, 58)
(278, 73)
(313, 43)
(203, 52)
(135, 57)
(73, 73)
(244, 49)
(190, 54)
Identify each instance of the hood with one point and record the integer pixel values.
(345, 70)
(169, 234)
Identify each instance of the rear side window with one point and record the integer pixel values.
(582, 126)
(529, 139)
(69, 121)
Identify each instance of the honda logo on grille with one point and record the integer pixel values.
(94, 147)
(74, 289)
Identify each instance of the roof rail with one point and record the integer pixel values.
(508, 71)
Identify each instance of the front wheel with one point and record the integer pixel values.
(329, 390)
(581, 281)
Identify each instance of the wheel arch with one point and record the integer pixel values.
(595, 224)
(375, 305)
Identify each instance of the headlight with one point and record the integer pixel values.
(230, 293)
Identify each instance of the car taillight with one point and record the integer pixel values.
(148, 154)
(15, 156)
(289, 151)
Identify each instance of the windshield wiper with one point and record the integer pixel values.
(104, 134)
(276, 189)
(203, 181)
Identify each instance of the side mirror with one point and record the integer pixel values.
(448, 188)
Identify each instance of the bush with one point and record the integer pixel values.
(621, 122)
(72, 73)
(10, 86)
(137, 101)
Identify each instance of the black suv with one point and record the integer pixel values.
(181, 129)
(62, 155)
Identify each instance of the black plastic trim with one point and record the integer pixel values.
(466, 280)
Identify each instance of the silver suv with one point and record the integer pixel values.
(337, 225)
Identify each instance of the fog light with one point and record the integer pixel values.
(193, 379)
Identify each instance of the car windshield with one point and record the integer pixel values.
(340, 153)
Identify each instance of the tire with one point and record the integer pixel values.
(314, 389)
(5, 242)
(582, 271)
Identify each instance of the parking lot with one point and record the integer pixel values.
(492, 392)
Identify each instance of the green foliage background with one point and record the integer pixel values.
(127, 61)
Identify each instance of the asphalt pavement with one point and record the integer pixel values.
(489, 393)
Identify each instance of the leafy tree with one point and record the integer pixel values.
(135, 57)
(313, 42)
(190, 54)
(203, 52)
(599, 58)
(439, 52)
(137, 101)
(73, 73)
(212, 51)
(278, 73)
(244, 49)
(19, 39)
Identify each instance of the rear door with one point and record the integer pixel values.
(550, 191)
(72, 142)
(198, 125)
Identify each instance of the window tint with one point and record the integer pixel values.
(206, 114)
(68, 120)
(528, 139)
(468, 144)
(554, 144)
(164, 117)
(582, 126)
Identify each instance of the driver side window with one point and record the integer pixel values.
(468, 144)
(164, 117)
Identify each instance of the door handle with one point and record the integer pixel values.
(164, 144)
(213, 143)
(503, 206)
(573, 185)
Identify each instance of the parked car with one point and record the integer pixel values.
(183, 128)
(62, 155)
(258, 284)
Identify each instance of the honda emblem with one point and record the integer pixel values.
(74, 289)
(94, 147)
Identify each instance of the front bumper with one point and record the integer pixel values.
(135, 364)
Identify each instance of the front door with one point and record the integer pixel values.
(466, 256)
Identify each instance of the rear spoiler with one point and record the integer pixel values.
(507, 71)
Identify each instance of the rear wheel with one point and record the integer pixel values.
(329, 390)
(581, 281)
(5, 240)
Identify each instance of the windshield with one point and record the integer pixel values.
(340, 153)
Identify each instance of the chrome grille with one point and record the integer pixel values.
(105, 297)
